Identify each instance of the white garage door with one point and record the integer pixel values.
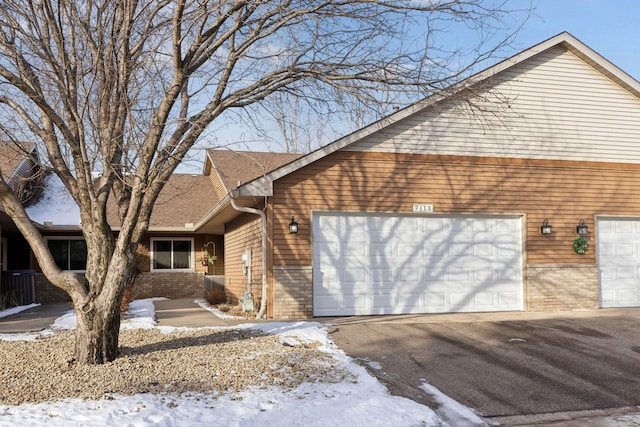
(619, 262)
(377, 264)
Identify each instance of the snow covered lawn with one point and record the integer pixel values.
(364, 402)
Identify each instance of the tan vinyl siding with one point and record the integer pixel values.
(562, 192)
(218, 188)
(552, 106)
(241, 234)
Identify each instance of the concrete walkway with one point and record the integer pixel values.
(186, 313)
(34, 319)
(174, 312)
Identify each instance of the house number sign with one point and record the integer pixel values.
(417, 207)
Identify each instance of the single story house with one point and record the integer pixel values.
(515, 189)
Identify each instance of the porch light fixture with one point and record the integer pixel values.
(545, 228)
(293, 226)
(582, 229)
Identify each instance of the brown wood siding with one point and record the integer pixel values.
(562, 192)
(242, 233)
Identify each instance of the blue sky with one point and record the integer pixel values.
(611, 27)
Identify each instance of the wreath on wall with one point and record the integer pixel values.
(580, 245)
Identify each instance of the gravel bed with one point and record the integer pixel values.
(205, 360)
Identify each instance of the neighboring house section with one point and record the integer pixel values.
(175, 256)
(18, 163)
(439, 207)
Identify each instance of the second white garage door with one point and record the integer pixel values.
(619, 261)
(378, 264)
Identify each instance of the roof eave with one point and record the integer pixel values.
(226, 200)
(570, 42)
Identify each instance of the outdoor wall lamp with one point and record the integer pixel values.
(545, 228)
(582, 229)
(293, 226)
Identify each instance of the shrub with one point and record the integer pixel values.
(8, 300)
(140, 261)
(127, 297)
(224, 307)
(216, 296)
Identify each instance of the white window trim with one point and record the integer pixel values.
(171, 270)
(69, 238)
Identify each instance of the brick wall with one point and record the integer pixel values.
(293, 292)
(562, 287)
(46, 292)
(169, 285)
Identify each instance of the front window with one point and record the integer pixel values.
(69, 254)
(172, 254)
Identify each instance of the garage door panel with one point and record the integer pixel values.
(354, 277)
(380, 251)
(619, 262)
(628, 295)
(382, 276)
(625, 273)
(624, 227)
(484, 276)
(509, 299)
(384, 303)
(622, 249)
(435, 302)
(409, 250)
(406, 276)
(434, 249)
(434, 275)
(356, 302)
(485, 299)
(509, 275)
(425, 265)
(484, 250)
(439, 225)
(458, 249)
(459, 301)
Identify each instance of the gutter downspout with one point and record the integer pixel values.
(263, 216)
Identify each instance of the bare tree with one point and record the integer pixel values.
(127, 87)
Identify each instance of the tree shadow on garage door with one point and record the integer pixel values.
(396, 264)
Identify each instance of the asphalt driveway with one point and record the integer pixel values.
(504, 365)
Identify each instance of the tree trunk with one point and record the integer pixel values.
(98, 309)
(97, 332)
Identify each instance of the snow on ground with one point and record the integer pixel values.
(15, 310)
(364, 402)
(215, 311)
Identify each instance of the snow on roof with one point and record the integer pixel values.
(56, 206)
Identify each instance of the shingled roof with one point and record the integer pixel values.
(185, 199)
(235, 168)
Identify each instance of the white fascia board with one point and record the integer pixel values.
(212, 212)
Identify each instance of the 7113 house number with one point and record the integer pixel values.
(417, 207)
